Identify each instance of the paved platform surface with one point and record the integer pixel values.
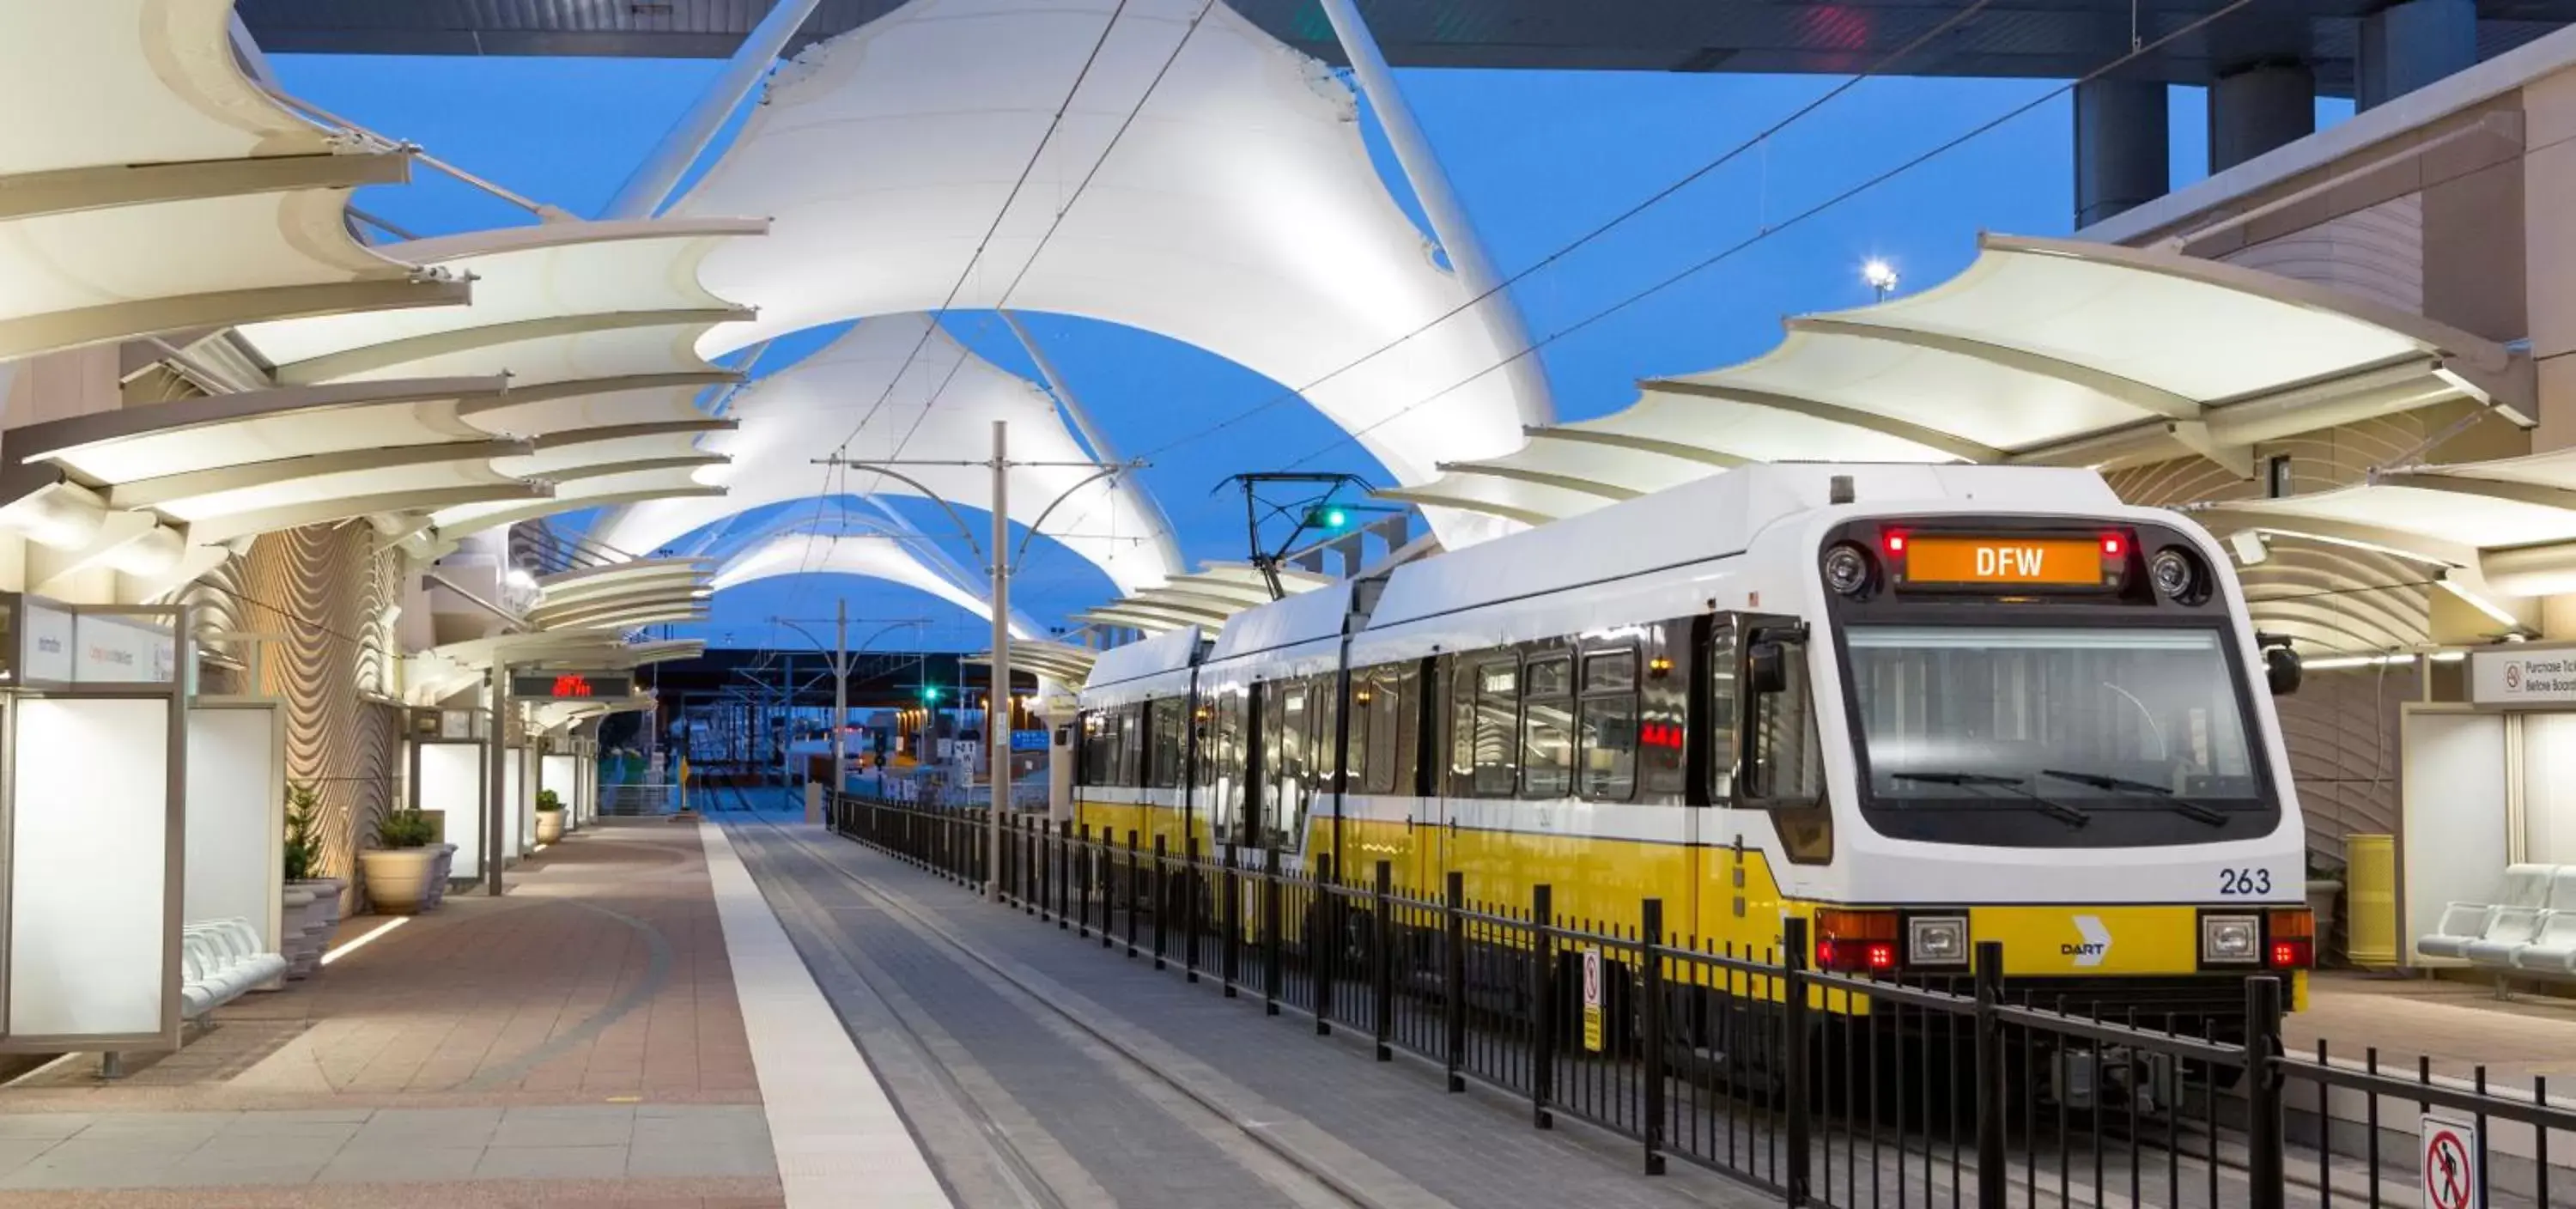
(578, 1041)
(1041, 1070)
(2459, 1025)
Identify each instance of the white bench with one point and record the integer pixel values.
(219, 961)
(2530, 928)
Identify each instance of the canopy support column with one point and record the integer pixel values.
(2121, 147)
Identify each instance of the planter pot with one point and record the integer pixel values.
(308, 934)
(398, 879)
(550, 826)
(442, 866)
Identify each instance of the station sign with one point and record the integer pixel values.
(43, 642)
(2514, 675)
(572, 686)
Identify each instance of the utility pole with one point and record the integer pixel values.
(840, 689)
(494, 786)
(997, 711)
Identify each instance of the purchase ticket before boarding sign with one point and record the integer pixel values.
(2522, 676)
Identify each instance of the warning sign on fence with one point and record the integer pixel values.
(2450, 1165)
(1592, 1000)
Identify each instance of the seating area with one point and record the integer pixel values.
(2529, 928)
(219, 962)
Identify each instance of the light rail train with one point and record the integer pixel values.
(1918, 706)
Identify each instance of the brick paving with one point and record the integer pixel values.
(2458, 1024)
(576, 1041)
(1387, 1129)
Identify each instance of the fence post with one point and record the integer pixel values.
(1270, 912)
(1542, 1004)
(1127, 889)
(1323, 942)
(1032, 865)
(1082, 886)
(1797, 1119)
(1190, 921)
(1993, 1188)
(1453, 978)
(1158, 891)
(1382, 962)
(1650, 985)
(2265, 1165)
(1063, 867)
(1233, 956)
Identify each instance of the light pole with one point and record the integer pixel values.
(843, 659)
(1881, 277)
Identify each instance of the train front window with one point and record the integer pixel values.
(2033, 736)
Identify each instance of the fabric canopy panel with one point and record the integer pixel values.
(596, 326)
(148, 185)
(848, 396)
(1238, 212)
(2046, 352)
(2500, 530)
(865, 555)
(1205, 598)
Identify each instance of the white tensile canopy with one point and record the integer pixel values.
(148, 185)
(864, 555)
(849, 397)
(2046, 352)
(1238, 211)
(1204, 598)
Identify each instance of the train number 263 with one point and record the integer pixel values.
(2244, 881)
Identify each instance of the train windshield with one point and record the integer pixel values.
(2053, 736)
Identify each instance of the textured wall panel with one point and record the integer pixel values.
(2376, 254)
(324, 590)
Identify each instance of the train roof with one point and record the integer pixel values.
(1169, 651)
(1706, 519)
(1295, 621)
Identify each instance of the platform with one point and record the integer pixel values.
(580, 1041)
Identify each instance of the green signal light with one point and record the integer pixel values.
(1327, 517)
(930, 692)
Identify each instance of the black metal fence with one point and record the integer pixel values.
(1825, 1088)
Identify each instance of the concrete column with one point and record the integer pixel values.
(2122, 147)
(2407, 46)
(2256, 108)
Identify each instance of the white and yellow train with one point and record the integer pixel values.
(1919, 706)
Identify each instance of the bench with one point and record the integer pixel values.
(2529, 928)
(219, 961)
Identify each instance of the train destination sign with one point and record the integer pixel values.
(2003, 561)
(571, 686)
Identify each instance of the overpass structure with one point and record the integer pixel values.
(2264, 65)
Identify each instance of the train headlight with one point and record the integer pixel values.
(1936, 940)
(1847, 569)
(2231, 940)
(2177, 576)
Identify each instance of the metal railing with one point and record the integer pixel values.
(638, 800)
(1826, 1089)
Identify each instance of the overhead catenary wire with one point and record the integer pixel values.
(1731, 250)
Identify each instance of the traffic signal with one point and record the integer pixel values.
(930, 693)
(1328, 517)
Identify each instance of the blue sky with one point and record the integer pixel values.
(1537, 158)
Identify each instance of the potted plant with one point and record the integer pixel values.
(312, 900)
(549, 817)
(399, 872)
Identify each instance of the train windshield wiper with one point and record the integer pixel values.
(2056, 810)
(2164, 797)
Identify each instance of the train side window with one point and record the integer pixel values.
(1547, 727)
(1168, 742)
(1325, 712)
(1606, 728)
(1462, 729)
(1294, 727)
(1722, 722)
(1131, 745)
(1086, 751)
(1496, 727)
(1377, 702)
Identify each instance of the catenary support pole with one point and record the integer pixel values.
(997, 709)
(494, 784)
(660, 173)
(840, 691)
